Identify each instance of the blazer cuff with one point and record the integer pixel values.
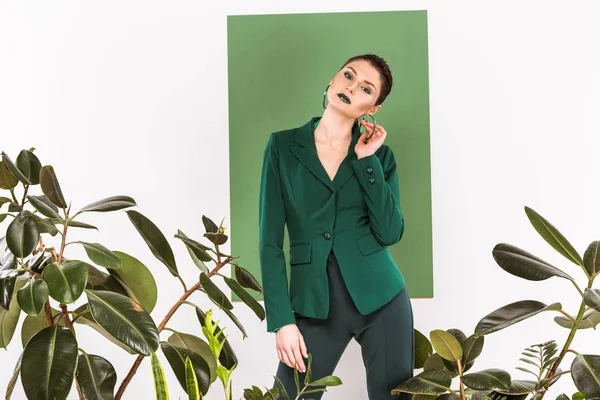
(369, 173)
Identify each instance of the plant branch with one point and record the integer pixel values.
(567, 315)
(577, 287)
(12, 192)
(462, 385)
(162, 325)
(24, 195)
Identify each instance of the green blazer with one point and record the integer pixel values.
(357, 214)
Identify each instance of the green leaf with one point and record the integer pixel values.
(32, 296)
(4, 200)
(66, 281)
(45, 225)
(591, 298)
(30, 166)
(96, 376)
(124, 319)
(213, 291)
(51, 187)
(209, 225)
(7, 179)
(197, 248)
(49, 362)
(227, 358)
(216, 238)
(155, 240)
(434, 362)
(423, 349)
(519, 387)
(488, 379)
(84, 317)
(282, 390)
(446, 345)
(8, 322)
(591, 258)
(191, 382)
(590, 319)
(72, 224)
(160, 382)
(525, 265)
(197, 346)
(32, 325)
(44, 206)
(100, 255)
(176, 357)
(137, 279)
(22, 236)
(585, 372)
(472, 348)
(13, 380)
(98, 280)
(553, 237)
(511, 314)
(427, 382)
(14, 170)
(246, 279)
(327, 381)
(246, 298)
(192, 252)
(113, 203)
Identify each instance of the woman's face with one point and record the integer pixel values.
(355, 89)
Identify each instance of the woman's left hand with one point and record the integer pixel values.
(375, 141)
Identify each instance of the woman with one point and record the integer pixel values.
(338, 194)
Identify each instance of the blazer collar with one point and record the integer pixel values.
(306, 153)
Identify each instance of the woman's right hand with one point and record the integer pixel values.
(291, 347)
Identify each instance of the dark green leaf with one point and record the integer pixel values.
(525, 265)
(66, 281)
(137, 279)
(124, 319)
(213, 291)
(192, 252)
(72, 224)
(197, 346)
(98, 280)
(427, 382)
(22, 236)
(100, 255)
(7, 179)
(113, 203)
(4, 200)
(44, 206)
(8, 322)
(32, 325)
(14, 170)
(155, 240)
(195, 247)
(32, 296)
(246, 298)
(49, 362)
(590, 319)
(591, 298)
(209, 225)
(246, 279)
(51, 187)
(216, 238)
(472, 348)
(45, 225)
(423, 349)
(176, 357)
(84, 316)
(511, 314)
(519, 387)
(96, 376)
(553, 237)
(488, 379)
(282, 390)
(591, 258)
(327, 381)
(585, 370)
(30, 166)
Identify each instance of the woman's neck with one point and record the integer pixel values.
(334, 129)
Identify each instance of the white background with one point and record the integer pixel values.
(130, 97)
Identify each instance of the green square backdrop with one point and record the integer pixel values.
(279, 67)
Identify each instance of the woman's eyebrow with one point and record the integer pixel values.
(367, 82)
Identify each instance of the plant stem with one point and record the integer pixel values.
(24, 195)
(64, 238)
(567, 315)
(12, 192)
(162, 325)
(578, 288)
(460, 374)
(48, 313)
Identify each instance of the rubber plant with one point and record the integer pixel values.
(120, 292)
(450, 353)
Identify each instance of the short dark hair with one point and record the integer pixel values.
(384, 72)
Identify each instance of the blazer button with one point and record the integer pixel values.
(371, 180)
(369, 170)
(327, 235)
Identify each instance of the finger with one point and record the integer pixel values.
(286, 359)
(291, 357)
(303, 347)
(279, 355)
(299, 360)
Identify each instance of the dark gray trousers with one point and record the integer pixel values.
(386, 337)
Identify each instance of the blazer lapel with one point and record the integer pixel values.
(306, 153)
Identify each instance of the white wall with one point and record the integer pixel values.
(131, 98)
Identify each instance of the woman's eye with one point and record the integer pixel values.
(348, 75)
(367, 90)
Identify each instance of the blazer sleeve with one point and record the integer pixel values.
(271, 213)
(379, 181)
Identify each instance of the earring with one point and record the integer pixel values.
(325, 96)
(374, 125)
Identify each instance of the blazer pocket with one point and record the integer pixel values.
(300, 253)
(368, 244)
